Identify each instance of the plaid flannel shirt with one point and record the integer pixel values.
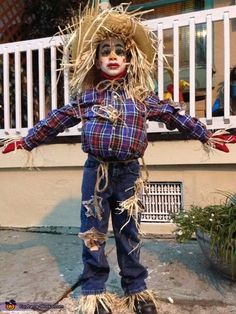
(122, 138)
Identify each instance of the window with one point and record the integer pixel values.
(163, 199)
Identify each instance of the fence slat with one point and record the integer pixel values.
(176, 60)
(6, 94)
(53, 77)
(66, 78)
(226, 66)
(41, 82)
(18, 111)
(209, 69)
(160, 60)
(29, 75)
(192, 60)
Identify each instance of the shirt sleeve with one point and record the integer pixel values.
(56, 122)
(173, 119)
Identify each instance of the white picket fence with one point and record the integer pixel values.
(31, 84)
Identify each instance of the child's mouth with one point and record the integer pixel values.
(113, 65)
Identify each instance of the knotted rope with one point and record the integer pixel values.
(107, 112)
(102, 174)
(110, 84)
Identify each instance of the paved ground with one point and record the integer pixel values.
(39, 267)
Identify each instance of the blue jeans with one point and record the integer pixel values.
(121, 178)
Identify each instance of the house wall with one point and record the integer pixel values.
(49, 194)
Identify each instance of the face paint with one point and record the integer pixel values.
(112, 57)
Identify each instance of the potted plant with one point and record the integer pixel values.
(215, 229)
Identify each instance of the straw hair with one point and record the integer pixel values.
(143, 296)
(89, 303)
(90, 27)
(133, 205)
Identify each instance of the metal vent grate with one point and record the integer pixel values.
(163, 199)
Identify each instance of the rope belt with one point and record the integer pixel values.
(132, 205)
(102, 172)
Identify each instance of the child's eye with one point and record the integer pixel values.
(120, 51)
(105, 52)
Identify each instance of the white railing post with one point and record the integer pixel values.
(176, 60)
(41, 82)
(6, 97)
(18, 110)
(160, 60)
(226, 67)
(209, 70)
(53, 77)
(66, 78)
(192, 62)
(29, 77)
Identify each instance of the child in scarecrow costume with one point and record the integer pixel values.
(113, 58)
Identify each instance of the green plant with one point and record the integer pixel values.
(218, 221)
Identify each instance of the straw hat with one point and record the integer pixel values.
(92, 26)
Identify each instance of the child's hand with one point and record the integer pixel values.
(10, 147)
(227, 138)
(221, 146)
(219, 141)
